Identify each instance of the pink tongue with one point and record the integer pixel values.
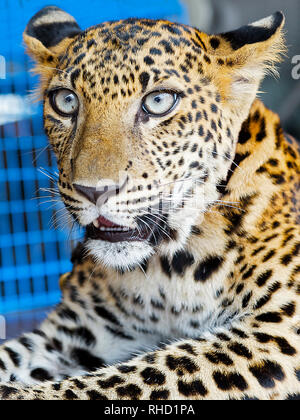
(106, 223)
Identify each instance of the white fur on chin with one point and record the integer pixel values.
(119, 255)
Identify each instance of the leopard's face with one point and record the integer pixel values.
(143, 120)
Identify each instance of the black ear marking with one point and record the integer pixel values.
(259, 31)
(51, 25)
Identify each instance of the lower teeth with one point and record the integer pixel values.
(114, 230)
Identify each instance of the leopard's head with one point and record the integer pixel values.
(144, 118)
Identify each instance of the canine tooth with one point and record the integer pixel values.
(96, 223)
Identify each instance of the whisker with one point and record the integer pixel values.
(40, 153)
(230, 160)
(53, 68)
(232, 207)
(181, 180)
(47, 174)
(142, 269)
(50, 190)
(159, 227)
(45, 196)
(49, 201)
(151, 230)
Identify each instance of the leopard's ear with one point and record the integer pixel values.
(48, 34)
(255, 33)
(242, 57)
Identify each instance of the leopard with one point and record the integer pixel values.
(186, 285)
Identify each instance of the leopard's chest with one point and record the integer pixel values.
(165, 307)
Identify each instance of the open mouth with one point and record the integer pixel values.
(106, 230)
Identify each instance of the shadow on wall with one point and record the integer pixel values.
(282, 95)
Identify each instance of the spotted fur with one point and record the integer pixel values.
(208, 309)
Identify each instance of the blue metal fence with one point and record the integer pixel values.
(32, 253)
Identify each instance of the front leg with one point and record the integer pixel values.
(61, 347)
(64, 346)
(239, 363)
(81, 335)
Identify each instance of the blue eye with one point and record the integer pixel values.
(160, 103)
(64, 102)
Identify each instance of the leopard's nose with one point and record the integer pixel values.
(99, 195)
